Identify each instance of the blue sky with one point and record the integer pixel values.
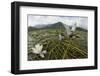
(34, 20)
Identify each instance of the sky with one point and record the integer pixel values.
(34, 20)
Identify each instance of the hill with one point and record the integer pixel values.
(58, 25)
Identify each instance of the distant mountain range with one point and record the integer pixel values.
(50, 26)
(54, 25)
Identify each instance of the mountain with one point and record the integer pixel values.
(81, 29)
(30, 28)
(54, 25)
(41, 25)
(57, 25)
